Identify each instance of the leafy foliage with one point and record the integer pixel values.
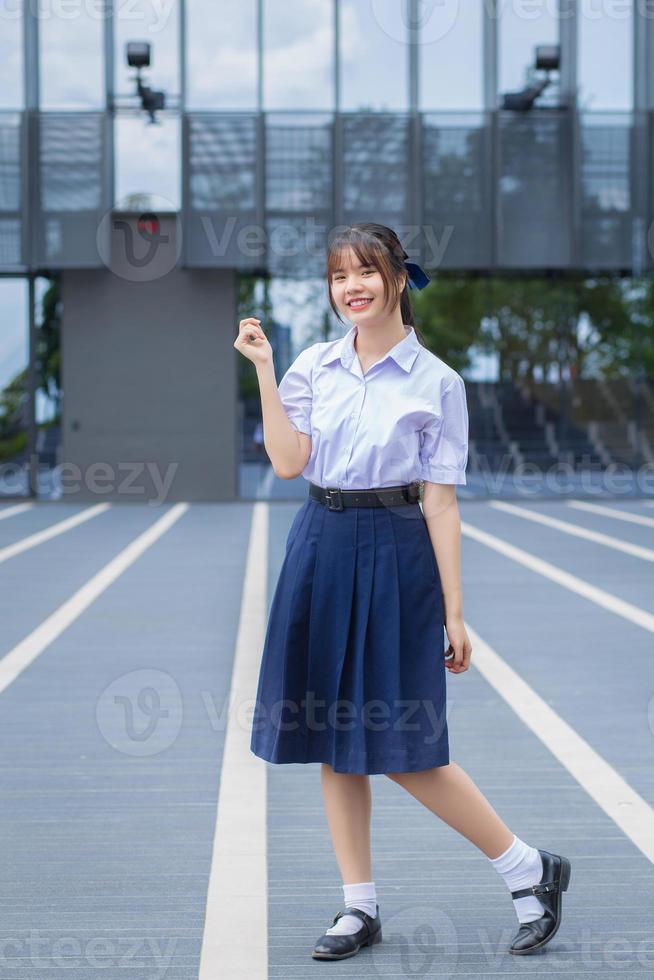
(600, 326)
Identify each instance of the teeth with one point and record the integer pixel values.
(359, 302)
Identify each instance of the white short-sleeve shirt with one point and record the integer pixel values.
(406, 419)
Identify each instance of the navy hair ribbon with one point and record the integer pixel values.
(417, 277)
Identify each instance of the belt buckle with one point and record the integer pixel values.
(328, 494)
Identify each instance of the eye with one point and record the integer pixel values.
(366, 272)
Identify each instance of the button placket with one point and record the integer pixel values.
(353, 416)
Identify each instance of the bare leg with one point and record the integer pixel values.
(450, 793)
(348, 805)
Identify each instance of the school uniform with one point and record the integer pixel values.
(352, 671)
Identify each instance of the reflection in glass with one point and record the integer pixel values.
(222, 54)
(11, 146)
(606, 217)
(298, 162)
(298, 54)
(605, 55)
(147, 163)
(14, 361)
(451, 56)
(72, 64)
(373, 55)
(48, 393)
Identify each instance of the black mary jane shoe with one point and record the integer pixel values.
(338, 947)
(555, 879)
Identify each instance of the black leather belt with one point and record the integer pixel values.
(337, 499)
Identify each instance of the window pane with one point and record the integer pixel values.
(451, 56)
(147, 164)
(523, 25)
(72, 55)
(298, 54)
(373, 39)
(222, 54)
(11, 56)
(605, 54)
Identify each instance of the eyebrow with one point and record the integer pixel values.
(363, 265)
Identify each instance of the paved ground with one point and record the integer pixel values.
(124, 777)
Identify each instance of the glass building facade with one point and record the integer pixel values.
(296, 112)
(286, 118)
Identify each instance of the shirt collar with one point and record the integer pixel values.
(403, 353)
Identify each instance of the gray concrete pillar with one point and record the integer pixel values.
(149, 376)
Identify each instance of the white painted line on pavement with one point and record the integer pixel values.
(635, 550)
(628, 810)
(620, 515)
(12, 511)
(235, 937)
(22, 655)
(591, 592)
(11, 550)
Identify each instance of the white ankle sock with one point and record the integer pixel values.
(364, 897)
(520, 866)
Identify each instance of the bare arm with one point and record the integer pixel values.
(441, 512)
(288, 449)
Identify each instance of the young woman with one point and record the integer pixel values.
(353, 668)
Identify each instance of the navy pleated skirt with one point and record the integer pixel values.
(352, 671)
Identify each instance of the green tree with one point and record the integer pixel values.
(48, 351)
(600, 325)
(449, 314)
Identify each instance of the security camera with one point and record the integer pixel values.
(548, 57)
(138, 54)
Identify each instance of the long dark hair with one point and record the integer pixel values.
(380, 247)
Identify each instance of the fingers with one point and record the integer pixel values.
(249, 331)
(457, 659)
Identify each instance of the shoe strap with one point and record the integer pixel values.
(540, 889)
(360, 914)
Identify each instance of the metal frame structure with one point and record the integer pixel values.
(515, 190)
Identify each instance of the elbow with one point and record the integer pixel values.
(293, 464)
(284, 474)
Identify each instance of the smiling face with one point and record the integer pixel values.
(357, 285)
